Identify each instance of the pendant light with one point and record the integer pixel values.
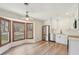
(27, 16)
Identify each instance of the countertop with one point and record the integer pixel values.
(73, 36)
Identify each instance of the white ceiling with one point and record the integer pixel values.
(43, 11)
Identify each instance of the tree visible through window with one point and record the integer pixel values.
(4, 31)
(18, 30)
(29, 30)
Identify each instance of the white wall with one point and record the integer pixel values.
(9, 14)
(5, 48)
(64, 24)
(37, 29)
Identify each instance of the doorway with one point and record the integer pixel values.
(46, 33)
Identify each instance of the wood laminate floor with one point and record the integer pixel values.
(40, 48)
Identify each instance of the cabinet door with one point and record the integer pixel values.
(61, 39)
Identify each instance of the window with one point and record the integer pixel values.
(5, 31)
(18, 31)
(29, 32)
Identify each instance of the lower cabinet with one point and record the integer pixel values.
(61, 38)
(73, 46)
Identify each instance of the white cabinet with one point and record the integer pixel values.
(73, 46)
(61, 38)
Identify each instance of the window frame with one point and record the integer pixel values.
(14, 31)
(9, 30)
(27, 30)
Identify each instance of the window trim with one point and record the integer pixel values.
(13, 30)
(27, 30)
(0, 31)
(9, 29)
